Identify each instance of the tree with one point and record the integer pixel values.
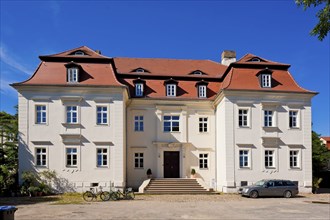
(8, 152)
(320, 154)
(322, 28)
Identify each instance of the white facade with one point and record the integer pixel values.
(86, 136)
(100, 132)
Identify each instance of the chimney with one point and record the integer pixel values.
(228, 57)
(98, 51)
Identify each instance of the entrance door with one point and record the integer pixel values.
(171, 164)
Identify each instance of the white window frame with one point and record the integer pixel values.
(243, 118)
(266, 80)
(202, 91)
(203, 161)
(71, 113)
(292, 157)
(171, 90)
(138, 123)
(73, 74)
(43, 114)
(69, 156)
(138, 160)
(171, 122)
(104, 157)
(269, 158)
(42, 157)
(246, 158)
(138, 89)
(203, 125)
(269, 119)
(293, 119)
(101, 113)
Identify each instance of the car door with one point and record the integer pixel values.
(268, 189)
(279, 188)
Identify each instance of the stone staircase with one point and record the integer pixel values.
(175, 186)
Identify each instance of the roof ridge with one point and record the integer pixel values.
(145, 58)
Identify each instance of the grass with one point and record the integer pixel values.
(69, 198)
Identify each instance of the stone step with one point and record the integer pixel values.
(175, 186)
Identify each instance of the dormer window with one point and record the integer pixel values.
(79, 53)
(139, 70)
(171, 85)
(197, 72)
(72, 72)
(255, 59)
(266, 80)
(73, 75)
(202, 89)
(170, 90)
(139, 89)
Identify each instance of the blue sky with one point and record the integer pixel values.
(275, 30)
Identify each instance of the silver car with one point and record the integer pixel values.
(270, 187)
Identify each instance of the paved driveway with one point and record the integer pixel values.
(186, 207)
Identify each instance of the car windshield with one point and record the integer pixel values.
(260, 183)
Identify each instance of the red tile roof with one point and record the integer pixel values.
(169, 67)
(89, 53)
(55, 73)
(246, 79)
(185, 89)
(99, 70)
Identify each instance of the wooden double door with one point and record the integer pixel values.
(171, 164)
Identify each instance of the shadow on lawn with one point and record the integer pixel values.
(13, 201)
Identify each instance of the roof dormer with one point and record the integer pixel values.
(171, 87)
(72, 72)
(140, 70)
(139, 85)
(265, 78)
(197, 72)
(202, 89)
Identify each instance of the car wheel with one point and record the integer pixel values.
(254, 194)
(287, 194)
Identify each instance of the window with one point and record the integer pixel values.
(294, 162)
(72, 114)
(202, 125)
(41, 157)
(197, 72)
(41, 114)
(102, 115)
(140, 70)
(170, 90)
(269, 158)
(243, 118)
(202, 91)
(266, 80)
(243, 158)
(71, 157)
(138, 160)
(139, 89)
(138, 123)
(102, 157)
(79, 53)
(73, 75)
(293, 119)
(171, 123)
(268, 118)
(203, 161)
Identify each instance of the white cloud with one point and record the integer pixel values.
(9, 59)
(6, 89)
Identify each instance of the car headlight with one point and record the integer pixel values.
(245, 190)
